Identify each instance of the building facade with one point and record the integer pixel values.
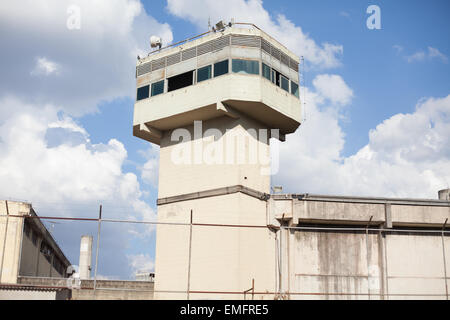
(212, 104)
(27, 249)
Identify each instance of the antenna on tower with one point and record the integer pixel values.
(209, 23)
(302, 77)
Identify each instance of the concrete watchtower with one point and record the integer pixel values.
(212, 103)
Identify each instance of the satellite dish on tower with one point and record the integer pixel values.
(155, 42)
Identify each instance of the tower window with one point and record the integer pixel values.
(220, 68)
(284, 83)
(266, 71)
(181, 81)
(294, 89)
(204, 73)
(245, 66)
(142, 93)
(157, 88)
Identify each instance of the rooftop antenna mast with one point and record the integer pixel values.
(303, 84)
(209, 23)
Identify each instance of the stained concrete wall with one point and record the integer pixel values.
(10, 239)
(21, 256)
(328, 252)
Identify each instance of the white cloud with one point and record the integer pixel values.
(398, 48)
(45, 67)
(430, 54)
(344, 14)
(140, 262)
(334, 88)
(95, 63)
(435, 53)
(198, 12)
(408, 155)
(70, 177)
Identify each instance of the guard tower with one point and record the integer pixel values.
(212, 103)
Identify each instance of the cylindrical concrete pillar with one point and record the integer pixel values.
(85, 257)
(444, 194)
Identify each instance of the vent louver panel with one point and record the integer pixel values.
(245, 41)
(216, 45)
(143, 69)
(284, 59)
(159, 64)
(174, 58)
(189, 54)
(204, 48)
(220, 43)
(275, 53)
(293, 65)
(265, 45)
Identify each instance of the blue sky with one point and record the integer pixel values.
(377, 106)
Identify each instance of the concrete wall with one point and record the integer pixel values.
(27, 294)
(21, 255)
(10, 239)
(329, 254)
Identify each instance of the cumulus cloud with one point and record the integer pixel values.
(334, 88)
(140, 262)
(324, 55)
(408, 155)
(94, 63)
(431, 53)
(45, 67)
(70, 177)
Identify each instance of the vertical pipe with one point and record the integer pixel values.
(381, 264)
(368, 257)
(98, 245)
(4, 240)
(445, 263)
(253, 289)
(189, 263)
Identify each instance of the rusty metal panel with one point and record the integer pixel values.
(143, 80)
(157, 75)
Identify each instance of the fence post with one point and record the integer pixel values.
(98, 245)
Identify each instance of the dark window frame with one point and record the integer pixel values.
(256, 62)
(210, 67)
(143, 92)
(223, 62)
(153, 86)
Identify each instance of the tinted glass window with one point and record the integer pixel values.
(180, 81)
(204, 73)
(266, 71)
(157, 88)
(245, 66)
(284, 83)
(142, 93)
(294, 89)
(220, 68)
